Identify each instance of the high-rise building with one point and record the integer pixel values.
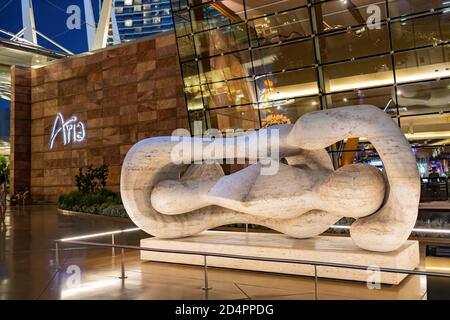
(139, 18)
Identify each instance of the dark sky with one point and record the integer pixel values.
(4, 117)
(50, 17)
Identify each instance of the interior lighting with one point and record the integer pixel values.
(99, 234)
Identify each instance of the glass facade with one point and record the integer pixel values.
(139, 18)
(249, 63)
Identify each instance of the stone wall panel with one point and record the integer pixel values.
(122, 94)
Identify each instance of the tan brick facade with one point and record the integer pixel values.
(122, 95)
(20, 128)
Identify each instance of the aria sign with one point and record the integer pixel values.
(72, 130)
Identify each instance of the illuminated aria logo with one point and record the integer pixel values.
(72, 130)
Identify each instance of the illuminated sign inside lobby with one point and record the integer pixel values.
(72, 130)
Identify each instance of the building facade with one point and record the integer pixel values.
(89, 110)
(249, 63)
(256, 58)
(237, 64)
(140, 18)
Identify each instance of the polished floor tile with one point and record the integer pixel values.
(29, 268)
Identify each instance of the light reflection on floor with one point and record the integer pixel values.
(28, 269)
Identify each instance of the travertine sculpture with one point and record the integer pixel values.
(301, 199)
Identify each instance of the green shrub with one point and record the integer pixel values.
(4, 169)
(102, 202)
(114, 211)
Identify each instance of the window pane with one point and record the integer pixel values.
(182, 23)
(287, 85)
(342, 14)
(217, 41)
(226, 67)
(355, 43)
(424, 97)
(433, 126)
(190, 73)
(420, 32)
(424, 64)
(257, 8)
(277, 58)
(284, 26)
(363, 73)
(234, 92)
(245, 117)
(198, 122)
(196, 2)
(403, 7)
(382, 98)
(186, 48)
(179, 4)
(287, 110)
(194, 98)
(217, 14)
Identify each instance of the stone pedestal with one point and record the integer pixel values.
(278, 246)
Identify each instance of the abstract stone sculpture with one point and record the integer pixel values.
(302, 199)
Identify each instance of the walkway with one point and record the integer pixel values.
(28, 271)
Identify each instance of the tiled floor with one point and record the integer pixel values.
(28, 269)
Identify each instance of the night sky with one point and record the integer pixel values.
(4, 118)
(50, 17)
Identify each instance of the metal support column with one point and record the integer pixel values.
(28, 21)
(122, 265)
(316, 284)
(58, 266)
(205, 270)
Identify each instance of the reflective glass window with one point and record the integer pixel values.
(286, 85)
(287, 110)
(423, 64)
(190, 73)
(284, 57)
(226, 67)
(222, 40)
(228, 93)
(354, 43)
(335, 15)
(280, 27)
(182, 23)
(362, 73)
(404, 7)
(244, 117)
(424, 97)
(431, 126)
(422, 31)
(383, 98)
(194, 97)
(216, 14)
(186, 48)
(258, 8)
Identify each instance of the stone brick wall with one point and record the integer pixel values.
(20, 129)
(123, 94)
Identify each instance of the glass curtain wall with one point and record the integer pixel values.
(252, 63)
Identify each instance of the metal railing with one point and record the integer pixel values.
(113, 245)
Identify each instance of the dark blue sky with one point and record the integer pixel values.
(4, 117)
(50, 17)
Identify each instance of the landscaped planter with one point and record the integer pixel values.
(93, 216)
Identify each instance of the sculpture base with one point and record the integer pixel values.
(269, 245)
